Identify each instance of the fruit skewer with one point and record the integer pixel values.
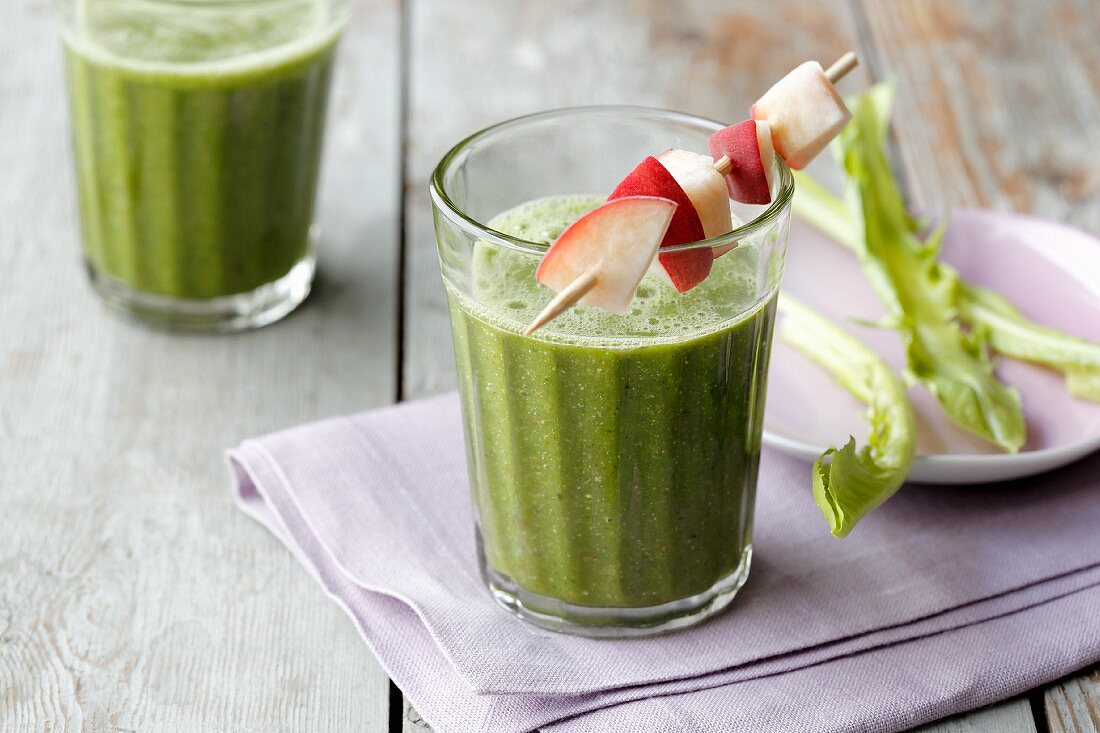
(837, 71)
(796, 142)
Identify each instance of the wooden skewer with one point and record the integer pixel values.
(564, 300)
(574, 291)
(841, 67)
(834, 73)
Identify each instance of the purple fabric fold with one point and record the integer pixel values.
(944, 600)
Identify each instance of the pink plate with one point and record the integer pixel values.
(1050, 271)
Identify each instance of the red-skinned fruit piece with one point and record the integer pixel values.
(685, 269)
(748, 145)
(618, 241)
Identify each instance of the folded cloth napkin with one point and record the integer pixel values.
(944, 600)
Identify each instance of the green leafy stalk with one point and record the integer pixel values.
(849, 482)
(1008, 331)
(1012, 334)
(919, 293)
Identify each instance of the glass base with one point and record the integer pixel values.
(240, 312)
(613, 623)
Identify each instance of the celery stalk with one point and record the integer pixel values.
(849, 482)
(1007, 331)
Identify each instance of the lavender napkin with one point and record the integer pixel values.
(944, 600)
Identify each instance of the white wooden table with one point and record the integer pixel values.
(133, 596)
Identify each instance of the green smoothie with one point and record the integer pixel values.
(612, 459)
(197, 129)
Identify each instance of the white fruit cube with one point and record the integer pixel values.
(804, 112)
(750, 170)
(704, 186)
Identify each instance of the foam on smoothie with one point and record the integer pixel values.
(509, 296)
(200, 39)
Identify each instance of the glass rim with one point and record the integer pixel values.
(80, 36)
(443, 202)
(214, 3)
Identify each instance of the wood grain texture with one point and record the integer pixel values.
(1073, 706)
(1009, 717)
(133, 595)
(997, 102)
(411, 722)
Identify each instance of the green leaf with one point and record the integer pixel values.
(1008, 331)
(920, 294)
(1012, 334)
(849, 482)
(1083, 383)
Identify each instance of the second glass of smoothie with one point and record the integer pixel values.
(612, 459)
(197, 130)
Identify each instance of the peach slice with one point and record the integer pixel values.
(687, 269)
(651, 178)
(704, 186)
(804, 112)
(748, 145)
(615, 244)
(707, 190)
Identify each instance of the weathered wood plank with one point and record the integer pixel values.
(1073, 706)
(411, 722)
(1009, 717)
(997, 104)
(133, 595)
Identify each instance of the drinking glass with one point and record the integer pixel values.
(197, 129)
(612, 459)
